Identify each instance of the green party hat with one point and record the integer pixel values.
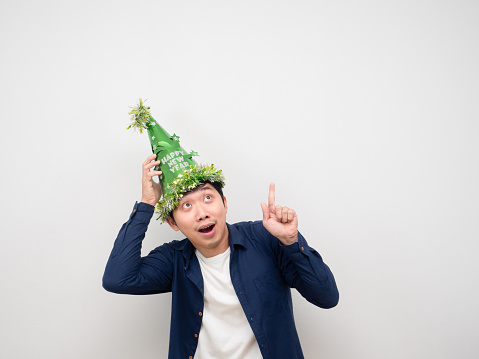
(181, 173)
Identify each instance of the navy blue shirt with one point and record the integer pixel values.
(262, 272)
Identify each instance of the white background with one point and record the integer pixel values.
(364, 113)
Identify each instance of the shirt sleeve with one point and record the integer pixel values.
(304, 269)
(126, 271)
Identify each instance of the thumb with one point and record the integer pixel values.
(265, 209)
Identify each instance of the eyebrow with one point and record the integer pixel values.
(205, 187)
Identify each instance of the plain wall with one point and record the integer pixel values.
(364, 114)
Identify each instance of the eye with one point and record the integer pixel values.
(186, 205)
(208, 197)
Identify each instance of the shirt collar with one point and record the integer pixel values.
(185, 247)
(236, 238)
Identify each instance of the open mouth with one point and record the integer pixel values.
(207, 230)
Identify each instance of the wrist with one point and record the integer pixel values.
(150, 202)
(287, 241)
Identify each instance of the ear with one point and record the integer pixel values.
(225, 203)
(172, 224)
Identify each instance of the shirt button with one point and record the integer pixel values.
(196, 335)
(185, 268)
(200, 314)
(302, 248)
(190, 357)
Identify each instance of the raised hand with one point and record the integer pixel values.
(150, 190)
(281, 222)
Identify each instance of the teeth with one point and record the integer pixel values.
(206, 229)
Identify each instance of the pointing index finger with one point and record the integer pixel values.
(271, 197)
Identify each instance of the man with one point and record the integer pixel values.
(230, 284)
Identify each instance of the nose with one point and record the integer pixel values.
(201, 212)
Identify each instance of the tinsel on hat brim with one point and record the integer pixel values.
(184, 183)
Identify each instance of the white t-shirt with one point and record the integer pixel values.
(225, 331)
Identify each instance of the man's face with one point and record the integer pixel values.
(201, 217)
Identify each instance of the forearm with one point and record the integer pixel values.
(306, 271)
(123, 272)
